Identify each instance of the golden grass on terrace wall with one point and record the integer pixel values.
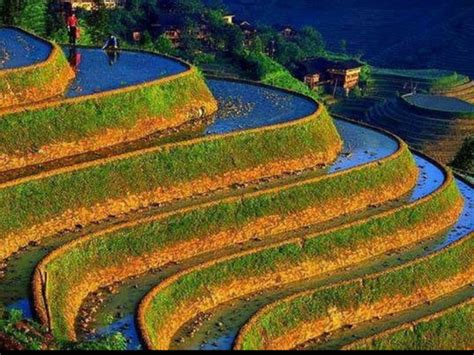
(42, 132)
(188, 155)
(36, 82)
(336, 318)
(266, 226)
(400, 239)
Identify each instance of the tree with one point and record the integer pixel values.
(98, 24)
(164, 45)
(310, 42)
(288, 53)
(10, 11)
(28, 14)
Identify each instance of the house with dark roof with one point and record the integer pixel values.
(287, 32)
(320, 71)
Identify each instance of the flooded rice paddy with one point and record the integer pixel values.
(242, 106)
(18, 49)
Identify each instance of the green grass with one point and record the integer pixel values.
(433, 75)
(453, 330)
(272, 73)
(449, 81)
(325, 246)
(20, 81)
(288, 315)
(33, 336)
(112, 248)
(75, 120)
(464, 159)
(38, 201)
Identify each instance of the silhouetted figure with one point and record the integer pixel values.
(111, 48)
(73, 29)
(112, 43)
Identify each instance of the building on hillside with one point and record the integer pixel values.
(229, 18)
(247, 29)
(287, 32)
(337, 74)
(91, 4)
(173, 33)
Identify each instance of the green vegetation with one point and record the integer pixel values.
(270, 72)
(76, 119)
(28, 14)
(449, 81)
(287, 315)
(29, 335)
(434, 75)
(453, 330)
(38, 201)
(230, 215)
(464, 159)
(32, 84)
(323, 247)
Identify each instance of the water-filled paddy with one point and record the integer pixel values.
(242, 106)
(440, 103)
(234, 314)
(18, 49)
(124, 302)
(245, 106)
(98, 70)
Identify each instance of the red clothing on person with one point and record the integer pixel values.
(72, 21)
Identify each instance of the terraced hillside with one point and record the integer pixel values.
(447, 44)
(389, 83)
(30, 68)
(431, 130)
(434, 124)
(177, 238)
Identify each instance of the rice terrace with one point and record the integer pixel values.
(236, 175)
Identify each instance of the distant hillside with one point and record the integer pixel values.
(397, 33)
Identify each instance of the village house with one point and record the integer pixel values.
(248, 30)
(91, 4)
(173, 33)
(287, 32)
(229, 18)
(337, 74)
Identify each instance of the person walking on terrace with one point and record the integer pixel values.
(73, 28)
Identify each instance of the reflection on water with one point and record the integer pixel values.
(440, 103)
(98, 70)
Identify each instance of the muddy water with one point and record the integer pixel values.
(234, 314)
(18, 49)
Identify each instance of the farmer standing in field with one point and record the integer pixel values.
(72, 28)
